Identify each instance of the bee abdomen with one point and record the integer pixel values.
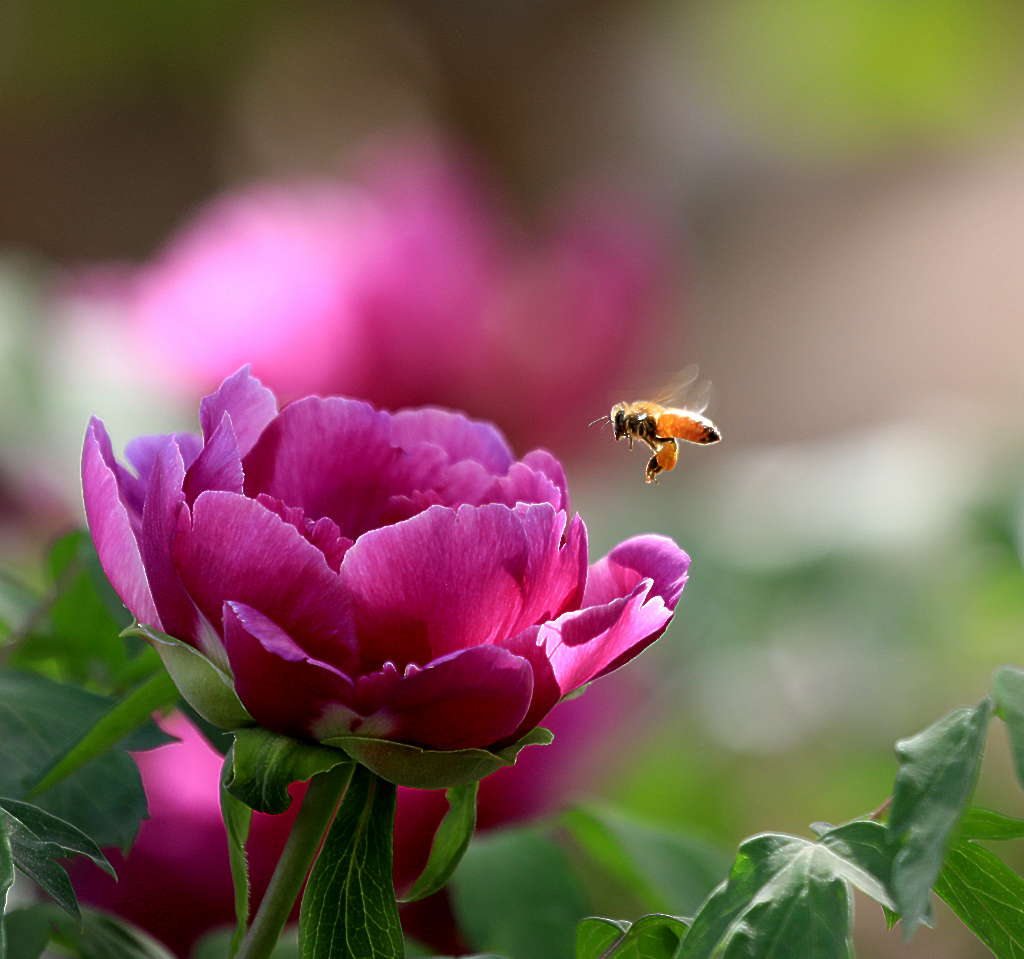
(690, 427)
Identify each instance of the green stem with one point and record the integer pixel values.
(310, 825)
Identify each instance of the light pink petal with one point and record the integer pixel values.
(218, 466)
(237, 550)
(283, 687)
(111, 527)
(472, 698)
(529, 644)
(142, 452)
(497, 569)
(459, 437)
(251, 405)
(334, 457)
(164, 500)
(637, 558)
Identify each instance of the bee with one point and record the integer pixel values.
(662, 426)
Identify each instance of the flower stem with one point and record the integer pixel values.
(299, 851)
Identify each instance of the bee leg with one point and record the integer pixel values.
(652, 470)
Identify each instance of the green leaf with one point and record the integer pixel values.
(6, 881)
(987, 895)
(665, 870)
(207, 688)
(41, 720)
(1008, 692)
(651, 937)
(515, 893)
(863, 857)
(596, 935)
(938, 771)
(130, 714)
(103, 936)
(417, 768)
(784, 897)
(265, 764)
(450, 842)
(237, 820)
(38, 839)
(984, 824)
(28, 931)
(348, 910)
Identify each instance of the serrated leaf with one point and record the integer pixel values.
(237, 818)
(651, 937)
(987, 895)
(938, 771)
(667, 870)
(349, 910)
(265, 764)
(515, 894)
(41, 720)
(450, 842)
(130, 714)
(595, 935)
(1008, 692)
(984, 824)
(783, 897)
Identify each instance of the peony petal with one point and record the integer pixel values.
(164, 499)
(449, 579)
(640, 557)
(218, 466)
(541, 461)
(323, 534)
(644, 577)
(251, 405)
(142, 452)
(282, 687)
(459, 437)
(471, 698)
(111, 527)
(529, 644)
(334, 457)
(236, 549)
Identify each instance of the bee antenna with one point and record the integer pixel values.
(601, 419)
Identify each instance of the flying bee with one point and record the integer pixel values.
(662, 426)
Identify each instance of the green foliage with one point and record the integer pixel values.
(936, 778)
(37, 840)
(596, 935)
(264, 764)
(515, 893)
(237, 820)
(1008, 692)
(985, 824)
(96, 936)
(349, 910)
(650, 937)
(987, 895)
(450, 842)
(41, 721)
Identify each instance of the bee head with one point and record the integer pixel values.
(618, 418)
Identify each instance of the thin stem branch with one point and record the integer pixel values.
(322, 797)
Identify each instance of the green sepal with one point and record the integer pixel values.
(348, 909)
(237, 818)
(406, 765)
(450, 842)
(207, 688)
(265, 764)
(6, 881)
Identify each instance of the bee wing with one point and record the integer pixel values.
(677, 390)
(687, 425)
(698, 397)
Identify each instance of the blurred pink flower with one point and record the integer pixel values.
(176, 885)
(406, 285)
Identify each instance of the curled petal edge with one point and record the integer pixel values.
(417, 768)
(207, 688)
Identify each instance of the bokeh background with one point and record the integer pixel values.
(529, 211)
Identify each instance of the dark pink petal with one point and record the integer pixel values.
(653, 556)
(237, 550)
(111, 527)
(471, 698)
(323, 534)
(459, 437)
(218, 466)
(283, 688)
(251, 405)
(529, 644)
(448, 579)
(334, 457)
(630, 613)
(164, 499)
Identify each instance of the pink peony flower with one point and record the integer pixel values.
(404, 286)
(354, 572)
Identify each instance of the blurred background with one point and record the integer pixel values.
(529, 211)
